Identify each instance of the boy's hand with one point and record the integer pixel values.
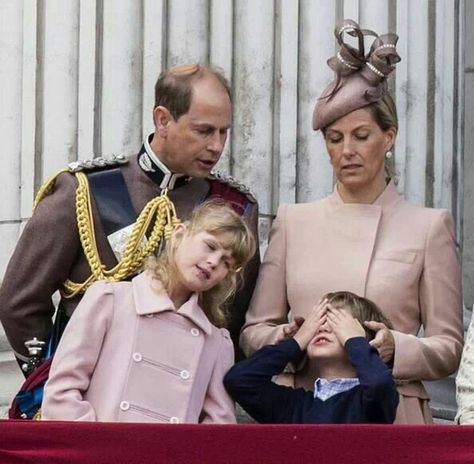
(316, 318)
(344, 325)
(289, 330)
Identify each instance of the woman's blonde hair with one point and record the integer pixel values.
(217, 218)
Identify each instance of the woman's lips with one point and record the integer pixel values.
(351, 167)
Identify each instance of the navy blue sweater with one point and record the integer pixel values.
(375, 400)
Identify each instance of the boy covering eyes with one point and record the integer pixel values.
(352, 383)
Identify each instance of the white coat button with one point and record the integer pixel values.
(124, 405)
(184, 374)
(174, 420)
(194, 332)
(137, 357)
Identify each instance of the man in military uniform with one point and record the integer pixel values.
(61, 243)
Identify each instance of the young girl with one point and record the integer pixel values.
(150, 350)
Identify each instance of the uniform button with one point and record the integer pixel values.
(174, 420)
(137, 357)
(194, 332)
(184, 374)
(124, 405)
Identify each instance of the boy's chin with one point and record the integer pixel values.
(317, 354)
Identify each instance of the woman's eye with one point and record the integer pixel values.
(334, 139)
(362, 136)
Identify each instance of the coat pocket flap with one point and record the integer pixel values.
(407, 257)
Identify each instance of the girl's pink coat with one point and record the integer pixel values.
(127, 356)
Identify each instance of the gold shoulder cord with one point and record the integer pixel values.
(160, 208)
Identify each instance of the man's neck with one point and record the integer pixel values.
(153, 150)
(151, 164)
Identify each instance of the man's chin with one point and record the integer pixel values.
(199, 173)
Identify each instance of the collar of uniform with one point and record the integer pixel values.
(388, 197)
(154, 168)
(151, 301)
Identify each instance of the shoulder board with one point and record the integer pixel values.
(97, 163)
(233, 183)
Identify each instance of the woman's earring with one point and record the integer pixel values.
(388, 154)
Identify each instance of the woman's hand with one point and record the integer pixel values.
(383, 341)
(290, 329)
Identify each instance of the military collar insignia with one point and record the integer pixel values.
(151, 165)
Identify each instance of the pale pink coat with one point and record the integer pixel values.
(127, 355)
(401, 256)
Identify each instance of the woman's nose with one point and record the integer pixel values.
(348, 147)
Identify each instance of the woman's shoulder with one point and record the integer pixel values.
(301, 208)
(425, 213)
(424, 221)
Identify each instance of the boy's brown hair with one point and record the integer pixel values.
(361, 308)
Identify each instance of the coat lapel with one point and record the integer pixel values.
(150, 300)
(352, 235)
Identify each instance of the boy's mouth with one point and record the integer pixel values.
(321, 340)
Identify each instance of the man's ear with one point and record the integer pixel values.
(162, 118)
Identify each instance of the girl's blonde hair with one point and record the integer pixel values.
(217, 218)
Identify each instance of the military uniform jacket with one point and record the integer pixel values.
(49, 252)
(401, 256)
(141, 360)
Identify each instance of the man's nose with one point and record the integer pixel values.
(217, 142)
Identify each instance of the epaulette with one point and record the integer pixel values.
(97, 163)
(76, 167)
(231, 182)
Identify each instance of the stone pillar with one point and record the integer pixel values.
(468, 171)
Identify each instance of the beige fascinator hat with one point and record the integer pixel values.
(361, 79)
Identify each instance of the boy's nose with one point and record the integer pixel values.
(324, 328)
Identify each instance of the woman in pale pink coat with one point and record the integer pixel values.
(150, 350)
(365, 238)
